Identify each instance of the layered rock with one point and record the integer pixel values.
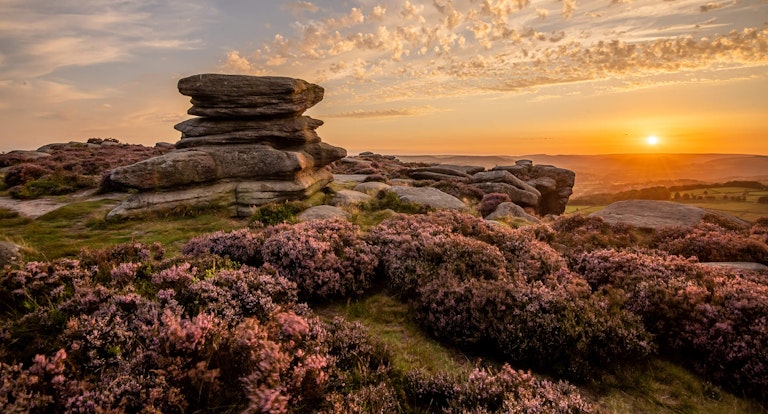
(543, 189)
(250, 145)
(554, 184)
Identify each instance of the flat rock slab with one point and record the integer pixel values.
(655, 214)
(323, 213)
(371, 187)
(349, 198)
(349, 178)
(217, 95)
(738, 265)
(428, 196)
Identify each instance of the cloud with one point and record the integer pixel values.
(384, 113)
(460, 47)
(40, 37)
(569, 7)
(298, 7)
(711, 6)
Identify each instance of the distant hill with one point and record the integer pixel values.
(618, 172)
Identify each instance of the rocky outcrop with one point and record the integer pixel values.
(545, 189)
(656, 214)
(554, 184)
(250, 145)
(323, 212)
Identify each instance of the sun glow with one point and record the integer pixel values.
(652, 140)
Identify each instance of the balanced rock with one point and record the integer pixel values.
(218, 95)
(250, 146)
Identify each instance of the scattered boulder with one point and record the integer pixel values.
(10, 253)
(440, 172)
(428, 196)
(507, 210)
(349, 198)
(349, 178)
(250, 146)
(322, 213)
(656, 214)
(371, 187)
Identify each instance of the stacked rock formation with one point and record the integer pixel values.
(250, 145)
(543, 188)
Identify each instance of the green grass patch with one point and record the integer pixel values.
(66, 230)
(658, 386)
(391, 321)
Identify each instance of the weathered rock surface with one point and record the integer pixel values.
(371, 188)
(217, 95)
(251, 147)
(10, 253)
(323, 213)
(544, 188)
(349, 198)
(657, 214)
(428, 196)
(554, 197)
(508, 210)
(517, 195)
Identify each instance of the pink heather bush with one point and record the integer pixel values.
(712, 243)
(508, 391)
(714, 319)
(490, 201)
(578, 233)
(325, 258)
(559, 328)
(243, 246)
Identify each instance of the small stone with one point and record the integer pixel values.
(428, 196)
(348, 198)
(323, 213)
(371, 187)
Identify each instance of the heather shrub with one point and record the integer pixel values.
(242, 245)
(276, 213)
(360, 358)
(490, 201)
(415, 250)
(234, 294)
(57, 183)
(20, 174)
(325, 258)
(713, 319)
(579, 233)
(375, 178)
(712, 243)
(379, 398)
(559, 328)
(506, 391)
(759, 229)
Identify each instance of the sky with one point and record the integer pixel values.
(484, 77)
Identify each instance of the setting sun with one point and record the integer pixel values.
(652, 140)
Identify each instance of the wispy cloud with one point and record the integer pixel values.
(384, 113)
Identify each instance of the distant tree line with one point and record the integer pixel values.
(755, 185)
(650, 193)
